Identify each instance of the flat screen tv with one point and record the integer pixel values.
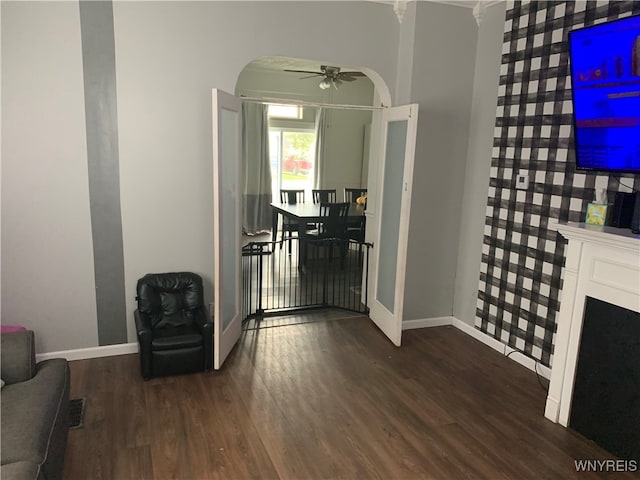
(605, 78)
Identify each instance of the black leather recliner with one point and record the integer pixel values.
(173, 328)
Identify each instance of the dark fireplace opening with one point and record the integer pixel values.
(606, 394)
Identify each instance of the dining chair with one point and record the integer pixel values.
(352, 194)
(324, 195)
(290, 226)
(356, 228)
(291, 196)
(330, 229)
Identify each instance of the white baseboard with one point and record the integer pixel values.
(92, 352)
(427, 323)
(552, 409)
(488, 340)
(528, 362)
(480, 336)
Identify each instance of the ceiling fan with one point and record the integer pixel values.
(332, 76)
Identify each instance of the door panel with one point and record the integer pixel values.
(391, 211)
(227, 229)
(399, 126)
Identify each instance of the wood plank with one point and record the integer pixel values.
(325, 395)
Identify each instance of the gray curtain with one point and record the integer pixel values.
(321, 123)
(256, 215)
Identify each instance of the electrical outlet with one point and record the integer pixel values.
(522, 181)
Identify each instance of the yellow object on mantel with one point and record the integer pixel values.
(361, 200)
(596, 214)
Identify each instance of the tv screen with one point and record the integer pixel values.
(605, 77)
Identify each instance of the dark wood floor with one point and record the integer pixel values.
(325, 399)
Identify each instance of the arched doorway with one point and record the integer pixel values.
(390, 169)
(320, 139)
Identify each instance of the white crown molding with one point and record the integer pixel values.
(400, 7)
(478, 12)
(479, 7)
(456, 3)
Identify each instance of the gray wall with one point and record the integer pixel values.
(100, 99)
(442, 84)
(476, 176)
(168, 57)
(47, 257)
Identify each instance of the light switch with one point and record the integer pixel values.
(522, 181)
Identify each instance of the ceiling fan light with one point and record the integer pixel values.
(324, 84)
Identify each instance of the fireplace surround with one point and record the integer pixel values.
(606, 392)
(601, 263)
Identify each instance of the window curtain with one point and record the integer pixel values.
(321, 123)
(256, 215)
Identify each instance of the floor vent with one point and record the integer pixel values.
(76, 412)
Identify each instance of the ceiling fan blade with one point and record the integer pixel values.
(304, 71)
(333, 75)
(354, 74)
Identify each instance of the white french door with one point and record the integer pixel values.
(390, 218)
(395, 178)
(227, 223)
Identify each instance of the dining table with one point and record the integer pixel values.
(305, 213)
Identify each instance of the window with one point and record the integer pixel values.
(284, 111)
(292, 146)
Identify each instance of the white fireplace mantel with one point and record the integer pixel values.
(602, 263)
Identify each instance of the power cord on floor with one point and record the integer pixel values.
(535, 368)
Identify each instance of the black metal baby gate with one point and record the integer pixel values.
(291, 275)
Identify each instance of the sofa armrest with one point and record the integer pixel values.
(35, 419)
(18, 356)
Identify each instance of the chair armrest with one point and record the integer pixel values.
(201, 319)
(18, 356)
(145, 337)
(143, 323)
(205, 326)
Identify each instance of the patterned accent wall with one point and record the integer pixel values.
(522, 257)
